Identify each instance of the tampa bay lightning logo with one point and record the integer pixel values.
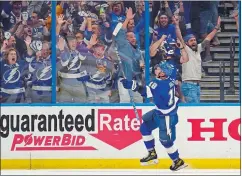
(12, 75)
(44, 74)
(75, 61)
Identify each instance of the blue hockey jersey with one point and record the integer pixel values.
(163, 93)
(13, 77)
(41, 75)
(100, 72)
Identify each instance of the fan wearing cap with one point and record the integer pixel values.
(164, 116)
(192, 70)
(131, 57)
(13, 76)
(100, 70)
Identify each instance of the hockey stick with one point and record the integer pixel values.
(115, 32)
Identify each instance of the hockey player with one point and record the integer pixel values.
(164, 116)
(13, 76)
(100, 72)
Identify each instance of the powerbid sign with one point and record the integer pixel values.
(35, 124)
(64, 142)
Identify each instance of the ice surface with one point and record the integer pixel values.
(122, 172)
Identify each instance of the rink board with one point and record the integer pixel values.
(108, 137)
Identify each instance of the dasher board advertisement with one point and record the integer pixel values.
(65, 137)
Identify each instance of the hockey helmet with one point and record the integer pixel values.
(165, 67)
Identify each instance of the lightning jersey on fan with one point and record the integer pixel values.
(13, 78)
(72, 65)
(41, 75)
(100, 71)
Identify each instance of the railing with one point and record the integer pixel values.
(231, 90)
(222, 79)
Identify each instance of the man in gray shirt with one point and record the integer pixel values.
(192, 70)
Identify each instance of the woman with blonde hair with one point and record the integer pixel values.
(13, 76)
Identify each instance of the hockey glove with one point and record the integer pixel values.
(129, 84)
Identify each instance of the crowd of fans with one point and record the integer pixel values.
(91, 61)
(25, 51)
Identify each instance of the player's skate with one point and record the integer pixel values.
(150, 159)
(177, 165)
